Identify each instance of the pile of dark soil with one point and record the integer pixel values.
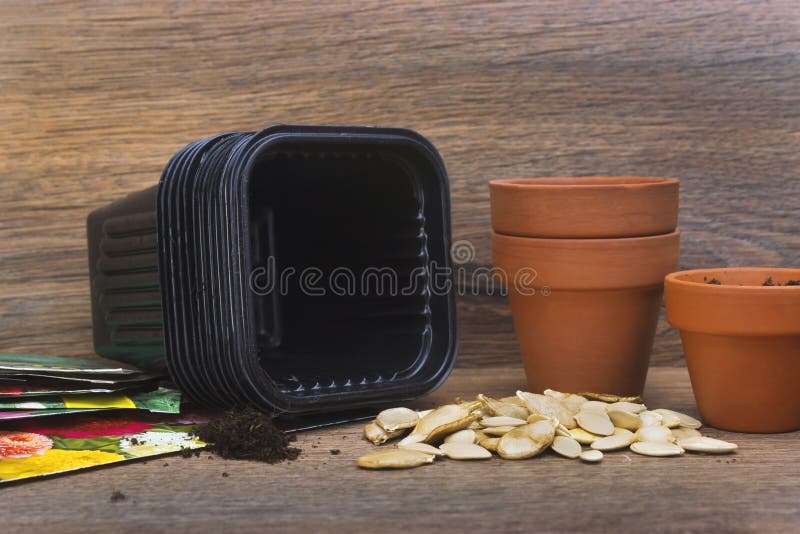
(247, 434)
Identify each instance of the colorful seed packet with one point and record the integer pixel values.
(162, 400)
(38, 449)
(63, 364)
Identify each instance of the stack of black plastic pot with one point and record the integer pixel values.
(290, 269)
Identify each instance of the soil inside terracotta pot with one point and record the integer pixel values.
(248, 434)
(767, 283)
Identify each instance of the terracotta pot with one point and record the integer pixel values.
(584, 207)
(742, 345)
(585, 310)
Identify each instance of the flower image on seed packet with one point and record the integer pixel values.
(43, 447)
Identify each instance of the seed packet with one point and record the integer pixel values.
(63, 364)
(38, 449)
(162, 400)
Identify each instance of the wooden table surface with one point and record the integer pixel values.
(754, 489)
(96, 96)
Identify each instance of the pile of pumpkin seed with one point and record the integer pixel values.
(528, 424)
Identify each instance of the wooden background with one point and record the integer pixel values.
(95, 98)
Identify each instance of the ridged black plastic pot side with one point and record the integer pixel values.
(127, 319)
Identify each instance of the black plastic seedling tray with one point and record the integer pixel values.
(203, 274)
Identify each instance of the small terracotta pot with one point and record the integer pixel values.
(585, 310)
(742, 345)
(584, 207)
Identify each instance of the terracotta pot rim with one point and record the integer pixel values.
(678, 279)
(584, 182)
(588, 241)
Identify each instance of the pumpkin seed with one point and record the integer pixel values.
(421, 447)
(583, 437)
(489, 443)
(547, 406)
(683, 433)
(526, 441)
(377, 435)
(655, 434)
(623, 419)
(595, 423)
(395, 459)
(594, 406)
(668, 418)
(686, 421)
(513, 400)
(423, 413)
(567, 447)
(650, 448)
(502, 420)
(411, 438)
(397, 419)
(649, 418)
(462, 436)
(706, 444)
(446, 429)
(501, 408)
(498, 430)
(607, 397)
(631, 407)
(620, 439)
(465, 451)
(591, 456)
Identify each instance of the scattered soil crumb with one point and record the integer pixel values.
(715, 282)
(768, 282)
(186, 452)
(166, 464)
(335, 452)
(134, 441)
(225, 474)
(793, 282)
(247, 434)
(117, 496)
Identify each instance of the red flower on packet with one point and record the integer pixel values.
(92, 429)
(23, 444)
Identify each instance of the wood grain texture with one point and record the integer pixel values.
(97, 96)
(754, 489)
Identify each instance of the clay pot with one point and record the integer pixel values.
(585, 310)
(584, 207)
(742, 345)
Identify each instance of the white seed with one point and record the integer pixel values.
(527, 441)
(377, 435)
(498, 430)
(623, 419)
(705, 444)
(570, 401)
(583, 437)
(668, 418)
(632, 407)
(395, 459)
(421, 447)
(397, 419)
(423, 413)
(411, 438)
(619, 440)
(502, 420)
(650, 418)
(490, 444)
(591, 456)
(686, 421)
(501, 408)
(655, 434)
(465, 451)
(596, 423)
(462, 436)
(567, 447)
(649, 448)
(594, 406)
(443, 415)
(683, 433)
(547, 406)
